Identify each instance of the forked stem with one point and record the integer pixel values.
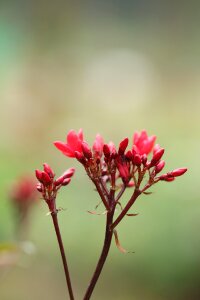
(62, 252)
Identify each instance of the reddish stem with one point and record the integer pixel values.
(103, 256)
(62, 251)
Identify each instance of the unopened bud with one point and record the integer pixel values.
(66, 181)
(157, 156)
(86, 150)
(69, 173)
(144, 159)
(106, 150)
(38, 174)
(48, 170)
(46, 180)
(137, 160)
(159, 166)
(178, 172)
(59, 181)
(169, 179)
(129, 155)
(122, 146)
(124, 171)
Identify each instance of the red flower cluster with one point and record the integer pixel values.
(48, 186)
(105, 163)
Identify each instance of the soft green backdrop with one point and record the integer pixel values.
(110, 68)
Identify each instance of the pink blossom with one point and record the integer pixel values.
(73, 143)
(143, 142)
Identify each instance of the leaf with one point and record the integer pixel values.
(119, 203)
(119, 246)
(131, 215)
(98, 204)
(97, 214)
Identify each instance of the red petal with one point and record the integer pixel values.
(80, 134)
(65, 149)
(72, 138)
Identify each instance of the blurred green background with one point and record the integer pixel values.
(110, 67)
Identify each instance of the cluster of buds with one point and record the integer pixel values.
(48, 186)
(114, 169)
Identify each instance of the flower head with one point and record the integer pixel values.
(73, 143)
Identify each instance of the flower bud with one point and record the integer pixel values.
(157, 156)
(59, 180)
(144, 159)
(123, 171)
(106, 150)
(46, 180)
(169, 179)
(178, 172)
(129, 155)
(86, 150)
(137, 160)
(38, 174)
(159, 166)
(66, 181)
(48, 170)
(69, 173)
(122, 146)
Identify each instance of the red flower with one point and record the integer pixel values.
(143, 142)
(74, 143)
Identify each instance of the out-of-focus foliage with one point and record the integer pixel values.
(113, 68)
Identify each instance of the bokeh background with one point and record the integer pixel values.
(110, 67)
